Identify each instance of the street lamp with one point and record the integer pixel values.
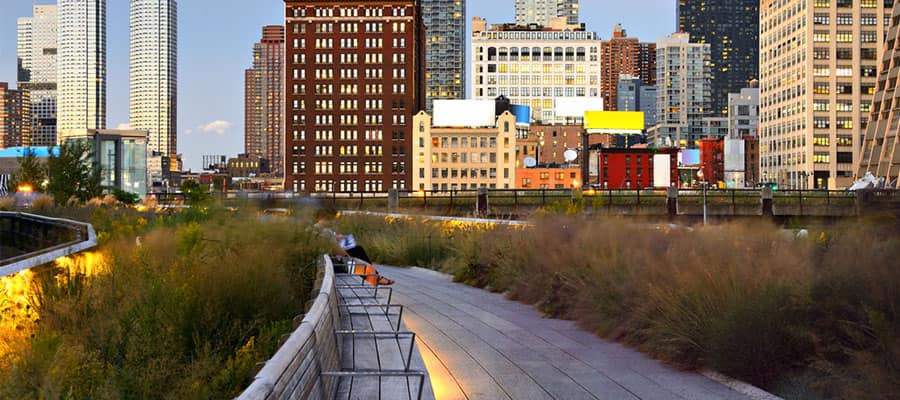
(703, 183)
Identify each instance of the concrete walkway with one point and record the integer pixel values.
(478, 345)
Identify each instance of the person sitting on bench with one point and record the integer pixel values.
(349, 246)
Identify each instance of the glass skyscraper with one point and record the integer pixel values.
(82, 66)
(731, 27)
(37, 51)
(445, 49)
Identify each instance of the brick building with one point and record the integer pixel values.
(15, 117)
(622, 55)
(264, 99)
(548, 178)
(634, 168)
(354, 78)
(712, 159)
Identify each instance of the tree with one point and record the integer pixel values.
(31, 171)
(73, 173)
(193, 192)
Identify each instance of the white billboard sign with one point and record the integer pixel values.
(662, 173)
(464, 113)
(575, 107)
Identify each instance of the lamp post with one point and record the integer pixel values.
(703, 183)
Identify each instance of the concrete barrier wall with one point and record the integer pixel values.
(33, 240)
(294, 372)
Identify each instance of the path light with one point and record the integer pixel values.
(24, 188)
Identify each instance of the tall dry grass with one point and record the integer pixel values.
(185, 314)
(813, 317)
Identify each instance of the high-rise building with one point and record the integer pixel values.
(445, 50)
(264, 100)
(536, 66)
(633, 95)
(818, 64)
(743, 112)
(541, 11)
(15, 117)
(81, 66)
(624, 55)
(683, 97)
(37, 50)
(731, 27)
(880, 150)
(355, 76)
(154, 73)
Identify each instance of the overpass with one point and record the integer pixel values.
(28, 240)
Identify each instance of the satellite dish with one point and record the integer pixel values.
(530, 162)
(570, 155)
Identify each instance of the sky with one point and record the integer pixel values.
(215, 42)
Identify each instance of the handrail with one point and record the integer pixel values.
(276, 379)
(85, 238)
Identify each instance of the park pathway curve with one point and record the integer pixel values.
(479, 345)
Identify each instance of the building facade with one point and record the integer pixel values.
(445, 50)
(815, 98)
(549, 178)
(37, 52)
(880, 152)
(354, 78)
(731, 28)
(743, 113)
(535, 66)
(539, 12)
(633, 95)
(635, 168)
(683, 97)
(264, 100)
(154, 73)
(464, 157)
(548, 143)
(622, 55)
(81, 66)
(121, 156)
(15, 117)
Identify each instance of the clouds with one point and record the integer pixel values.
(123, 127)
(218, 127)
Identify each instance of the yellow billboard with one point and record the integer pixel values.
(613, 121)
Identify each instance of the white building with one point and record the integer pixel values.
(533, 67)
(818, 63)
(154, 73)
(683, 97)
(37, 51)
(743, 113)
(541, 11)
(82, 66)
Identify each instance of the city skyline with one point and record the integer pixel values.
(213, 57)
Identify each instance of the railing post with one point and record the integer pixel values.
(481, 204)
(672, 201)
(766, 196)
(393, 200)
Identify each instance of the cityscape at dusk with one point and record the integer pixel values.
(450, 199)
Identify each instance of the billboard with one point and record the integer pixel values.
(576, 107)
(734, 155)
(689, 157)
(464, 113)
(615, 122)
(662, 173)
(522, 113)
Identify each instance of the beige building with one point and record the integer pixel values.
(464, 151)
(818, 64)
(881, 147)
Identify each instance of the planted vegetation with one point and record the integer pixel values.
(805, 318)
(185, 312)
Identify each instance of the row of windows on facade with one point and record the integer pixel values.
(348, 89)
(537, 92)
(361, 11)
(352, 27)
(349, 58)
(351, 119)
(821, 140)
(320, 185)
(464, 173)
(849, 3)
(847, 19)
(536, 54)
(349, 167)
(800, 159)
(452, 143)
(348, 135)
(348, 150)
(546, 68)
(534, 35)
(345, 104)
(369, 43)
(799, 91)
(464, 158)
(444, 187)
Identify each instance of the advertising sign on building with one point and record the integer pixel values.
(734, 155)
(464, 113)
(662, 175)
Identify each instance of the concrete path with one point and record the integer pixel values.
(478, 345)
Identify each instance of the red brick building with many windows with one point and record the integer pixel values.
(354, 77)
(633, 168)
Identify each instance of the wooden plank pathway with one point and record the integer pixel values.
(479, 345)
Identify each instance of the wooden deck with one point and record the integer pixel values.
(478, 345)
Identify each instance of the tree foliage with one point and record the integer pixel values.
(32, 171)
(73, 174)
(193, 192)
